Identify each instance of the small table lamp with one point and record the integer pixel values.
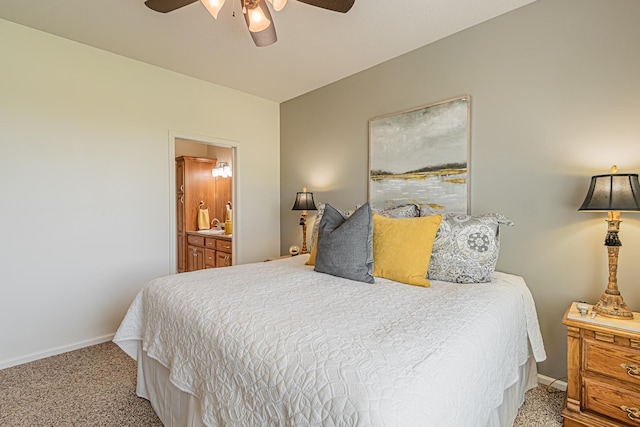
(613, 193)
(304, 202)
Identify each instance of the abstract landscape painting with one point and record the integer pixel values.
(421, 156)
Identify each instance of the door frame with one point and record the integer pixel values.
(173, 229)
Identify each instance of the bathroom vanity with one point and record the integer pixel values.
(208, 250)
(197, 188)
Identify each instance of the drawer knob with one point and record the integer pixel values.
(632, 413)
(632, 370)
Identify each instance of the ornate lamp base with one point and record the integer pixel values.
(303, 223)
(612, 305)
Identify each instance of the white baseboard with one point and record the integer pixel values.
(54, 351)
(545, 380)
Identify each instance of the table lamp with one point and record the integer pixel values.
(613, 193)
(304, 202)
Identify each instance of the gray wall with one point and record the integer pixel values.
(554, 89)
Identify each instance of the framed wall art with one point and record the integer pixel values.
(421, 156)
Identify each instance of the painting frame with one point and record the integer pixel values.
(422, 156)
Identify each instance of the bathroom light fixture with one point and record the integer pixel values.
(222, 170)
(304, 202)
(613, 193)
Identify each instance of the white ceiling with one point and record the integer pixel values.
(315, 47)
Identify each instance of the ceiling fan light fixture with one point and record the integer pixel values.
(258, 21)
(213, 6)
(278, 5)
(257, 14)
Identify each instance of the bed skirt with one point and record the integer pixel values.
(177, 408)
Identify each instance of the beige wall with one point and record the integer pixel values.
(186, 147)
(555, 88)
(85, 166)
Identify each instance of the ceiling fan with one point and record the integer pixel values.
(256, 13)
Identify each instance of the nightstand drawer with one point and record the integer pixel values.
(612, 401)
(612, 361)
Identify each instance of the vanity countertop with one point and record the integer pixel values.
(211, 233)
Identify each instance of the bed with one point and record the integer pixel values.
(279, 344)
(396, 318)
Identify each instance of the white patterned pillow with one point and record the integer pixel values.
(316, 224)
(466, 248)
(426, 210)
(403, 211)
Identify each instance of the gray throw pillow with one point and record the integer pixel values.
(345, 245)
(316, 223)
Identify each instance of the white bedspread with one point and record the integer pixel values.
(277, 344)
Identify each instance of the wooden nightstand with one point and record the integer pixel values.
(603, 385)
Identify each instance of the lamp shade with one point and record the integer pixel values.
(213, 6)
(258, 20)
(613, 192)
(304, 202)
(278, 5)
(262, 31)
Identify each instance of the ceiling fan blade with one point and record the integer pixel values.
(267, 36)
(342, 6)
(165, 6)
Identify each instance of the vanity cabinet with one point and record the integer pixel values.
(208, 252)
(223, 253)
(209, 258)
(195, 253)
(195, 258)
(196, 184)
(181, 239)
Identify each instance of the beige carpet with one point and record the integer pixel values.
(95, 386)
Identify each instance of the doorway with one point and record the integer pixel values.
(220, 153)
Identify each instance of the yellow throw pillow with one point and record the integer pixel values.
(312, 256)
(402, 248)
